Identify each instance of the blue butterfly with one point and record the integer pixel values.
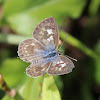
(41, 51)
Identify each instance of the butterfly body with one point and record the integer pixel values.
(46, 57)
(41, 51)
(51, 55)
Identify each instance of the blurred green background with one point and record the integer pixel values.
(78, 18)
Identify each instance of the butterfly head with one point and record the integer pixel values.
(59, 52)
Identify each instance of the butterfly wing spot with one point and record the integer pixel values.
(60, 69)
(60, 62)
(56, 68)
(25, 47)
(63, 65)
(43, 69)
(36, 72)
(57, 62)
(50, 38)
(41, 32)
(46, 42)
(49, 31)
(32, 44)
(25, 51)
(43, 29)
(54, 63)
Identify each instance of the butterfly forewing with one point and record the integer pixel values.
(30, 49)
(36, 70)
(61, 65)
(47, 33)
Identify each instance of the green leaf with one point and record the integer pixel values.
(59, 83)
(50, 91)
(12, 39)
(59, 9)
(13, 72)
(94, 7)
(17, 6)
(6, 97)
(97, 64)
(25, 21)
(86, 94)
(16, 97)
(22, 23)
(44, 6)
(97, 71)
(31, 89)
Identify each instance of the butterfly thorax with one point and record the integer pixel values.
(51, 55)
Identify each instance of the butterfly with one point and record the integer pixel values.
(41, 51)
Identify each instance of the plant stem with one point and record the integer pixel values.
(76, 43)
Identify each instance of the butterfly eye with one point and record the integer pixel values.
(59, 52)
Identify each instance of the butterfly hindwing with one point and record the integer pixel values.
(37, 70)
(47, 33)
(30, 49)
(61, 65)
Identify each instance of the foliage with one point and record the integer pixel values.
(18, 18)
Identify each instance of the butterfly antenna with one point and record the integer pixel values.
(63, 42)
(71, 58)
